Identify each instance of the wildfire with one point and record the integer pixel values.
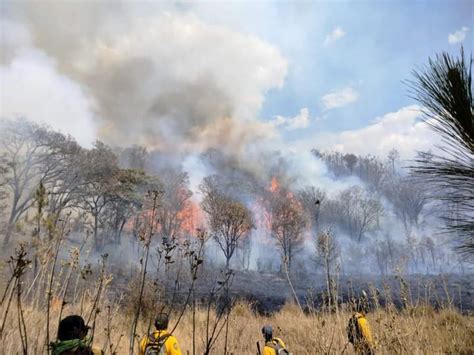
(144, 217)
(263, 221)
(191, 218)
(274, 185)
(276, 188)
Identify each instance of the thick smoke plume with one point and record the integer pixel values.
(162, 79)
(190, 92)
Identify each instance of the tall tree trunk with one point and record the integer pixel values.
(328, 279)
(9, 230)
(96, 242)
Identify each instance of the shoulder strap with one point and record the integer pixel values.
(270, 344)
(158, 341)
(163, 337)
(274, 344)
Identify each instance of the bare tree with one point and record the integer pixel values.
(327, 252)
(145, 234)
(356, 212)
(444, 88)
(246, 251)
(3, 182)
(408, 200)
(351, 161)
(174, 201)
(393, 157)
(368, 168)
(382, 257)
(372, 171)
(287, 224)
(134, 157)
(125, 198)
(313, 201)
(229, 220)
(66, 160)
(99, 169)
(334, 161)
(68, 175)
(26, 147)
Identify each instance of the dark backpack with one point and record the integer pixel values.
(156, 346)
(354, 333)
(275, 345)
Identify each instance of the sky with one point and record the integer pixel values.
(229, 75)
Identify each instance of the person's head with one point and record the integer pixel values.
(357, 305)
(72, 327)
(267, 332)
(161, 321)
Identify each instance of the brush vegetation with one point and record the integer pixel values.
(32, 305)
(419, 330)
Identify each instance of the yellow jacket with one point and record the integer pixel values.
(171, 344)
(364, 342)
(269, 348)
(364, 328)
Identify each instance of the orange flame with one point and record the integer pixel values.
(274, 185)
(263, 221)
(191, 218)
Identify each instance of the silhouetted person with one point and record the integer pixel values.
(72, 338)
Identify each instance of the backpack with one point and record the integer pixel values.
(156, 346)
(354, 333)
(275, 345)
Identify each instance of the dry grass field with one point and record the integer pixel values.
(419, 330)
(68, 289)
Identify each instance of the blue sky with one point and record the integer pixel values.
(383, 42)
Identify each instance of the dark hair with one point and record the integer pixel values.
(267, 332)
(72, 327)
(161, 321)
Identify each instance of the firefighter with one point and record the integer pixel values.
(359, 334)
(160, 341)
(273, 346)
(72, 340)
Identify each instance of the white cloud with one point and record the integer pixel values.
(339, 98)
(291, 123)
(458, 36)
(403, 130)
(336, 34)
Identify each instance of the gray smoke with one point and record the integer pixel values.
(156, 75)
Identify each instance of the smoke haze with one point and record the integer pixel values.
(158, 76)
(152, 80)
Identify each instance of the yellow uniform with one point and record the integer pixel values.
(97, 351)
(361, 336)
(270, 346)
(171, 344)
